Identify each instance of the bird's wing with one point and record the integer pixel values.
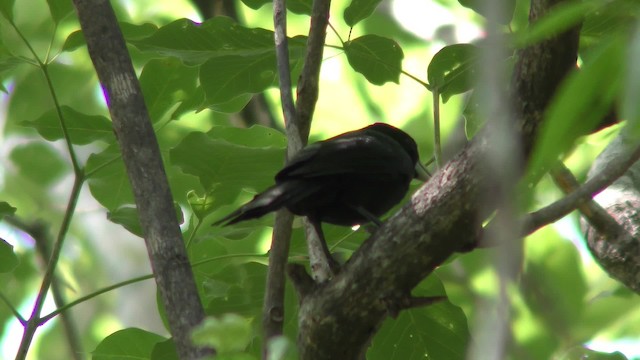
(362, 154)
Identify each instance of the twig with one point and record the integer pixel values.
(549, 214)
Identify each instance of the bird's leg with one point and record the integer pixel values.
(323, 265)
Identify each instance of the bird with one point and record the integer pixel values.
(349, 179)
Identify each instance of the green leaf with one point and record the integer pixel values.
(227, 334)
(437, 331)
(165, 350)
(127, 216)
(108, 181)
(507, 7)
(630, 105)
(131, 343)
(40, 162)
(224, 78)
(378, 58)
(453, 70)
(582, 353)
(201, 206)
(165, 83)
(359, 10)
(6, 209)
(6, 8)
(8, 260)
(83, 129)
(59, 9)
(578, 105)
(235, 158)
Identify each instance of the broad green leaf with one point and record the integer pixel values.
(507, 7)
(225, 78)
(6, 8)
(83, 129)
(437, 331)
(59, 9)
(165, 83)
(74, 41)
(108, 181)
(453, 70)
(217, 37)
(557, 20)
(6, 209)
(610, 17)
(165, 350)
(40, 162)
(131, 343)
(224, 156)
(578, 105)
(8, 260)
(227, 334)
(378, 58)
(359, 10)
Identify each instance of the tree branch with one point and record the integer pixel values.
(338, 319)
(143, 162)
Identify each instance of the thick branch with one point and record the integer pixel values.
(338, 319)
(143, 162)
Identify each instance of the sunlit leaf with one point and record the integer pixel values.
(165, 83)
(378, 58)
(227, 333)
(453, 70)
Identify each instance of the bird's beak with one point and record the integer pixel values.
(421, 172)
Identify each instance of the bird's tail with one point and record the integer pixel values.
(267, 201)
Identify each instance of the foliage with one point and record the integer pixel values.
(195, 77)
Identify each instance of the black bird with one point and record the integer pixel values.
(349, 179)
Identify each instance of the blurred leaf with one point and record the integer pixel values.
(553, 282)
(610, 17)
(558, 19)
(453, 70)
(165, 83)
(6, 8)
(473, 122)
(127, 216)
(59, 9)
(74, 41)
(437, 331)
(83, 129)
(39, 162)
(6, 209)
(281, 348)
(630, 105)
(227, 333)
(8, 260)
(578, 105)
(359, 10)
(131, 343)
(378, 58)
(583, 353)
(479, 6)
